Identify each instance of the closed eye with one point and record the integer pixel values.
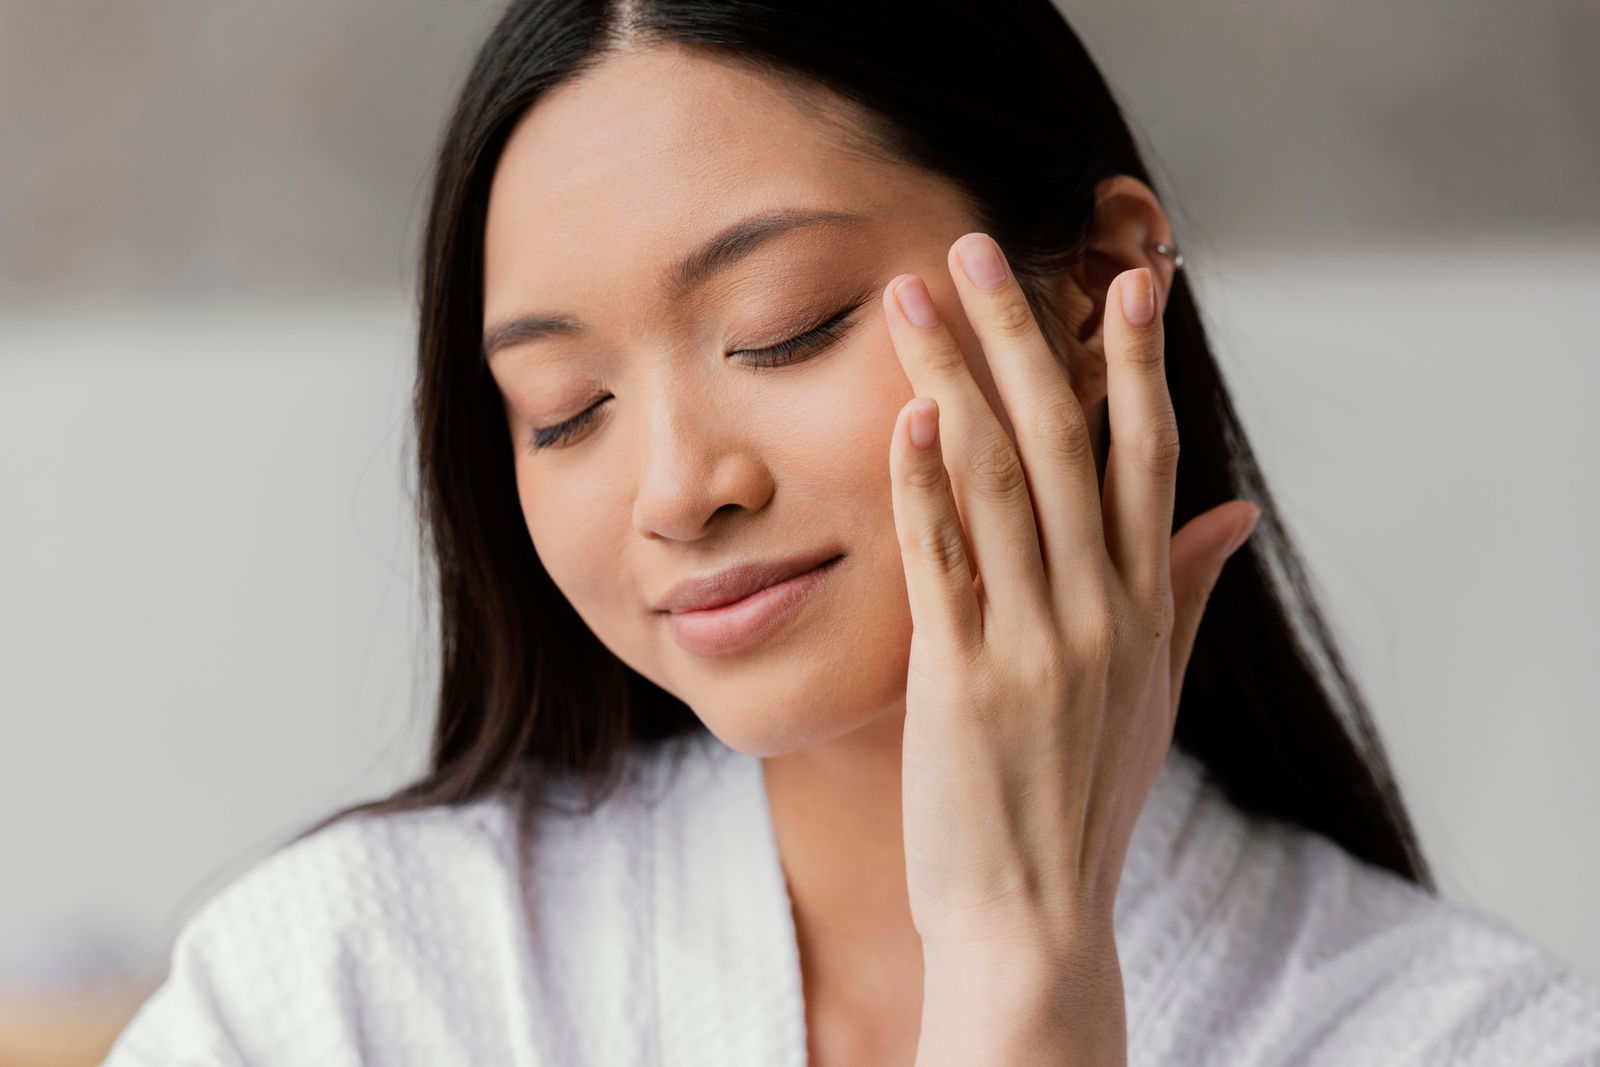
(793, 350)
(797, 347)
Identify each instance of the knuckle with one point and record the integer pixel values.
(1093, 632)
(1010, 316)
(1145, 354)
(1159, 448)
(996, 468)
(1044, 660)
(945, 358)
(939, 545)
(1059, 427)
(925, 476)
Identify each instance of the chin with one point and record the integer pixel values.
(802, 717)
(842, 672)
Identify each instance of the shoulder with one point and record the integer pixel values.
(1310, 955)
(361, 874)
(413, 938)
(365, 868)
(319, 948)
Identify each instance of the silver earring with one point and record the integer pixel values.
(1168, 250)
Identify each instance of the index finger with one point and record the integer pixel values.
(987, 479)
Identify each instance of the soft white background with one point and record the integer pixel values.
(212, 621)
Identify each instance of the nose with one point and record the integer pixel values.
(696, 463)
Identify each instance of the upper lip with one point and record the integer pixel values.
(738, 581)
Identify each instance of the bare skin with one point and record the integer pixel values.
(695, 458)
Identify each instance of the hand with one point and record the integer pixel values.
(1052, 624)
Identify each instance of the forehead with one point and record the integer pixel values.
(612, 175)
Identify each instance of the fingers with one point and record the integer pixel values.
(1199, 552)
(1052, 434)
(938, 565)
(1142, 468)
(988, 484)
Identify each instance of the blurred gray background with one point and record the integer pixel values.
(173, 149)
(212, 624)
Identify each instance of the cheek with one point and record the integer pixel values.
(572, 525)
(833, 458)
(829, 460)
(829, 442)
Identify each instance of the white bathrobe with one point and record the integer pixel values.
(661, 934)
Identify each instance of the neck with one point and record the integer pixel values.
(836, 817)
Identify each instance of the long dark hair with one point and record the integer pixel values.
(1002, 100)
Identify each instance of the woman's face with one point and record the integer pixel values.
(696, 457)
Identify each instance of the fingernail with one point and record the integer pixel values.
(915, 303)
(1244, 534)
(1139, 297)
(980, 258)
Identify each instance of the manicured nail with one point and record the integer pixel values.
(1139, 297)
(980, 258)
(915, 303)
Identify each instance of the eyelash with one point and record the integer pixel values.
(793, 350)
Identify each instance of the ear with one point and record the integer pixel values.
(1128, 224)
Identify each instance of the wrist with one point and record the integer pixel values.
(1044, 948)
(1019, 1002)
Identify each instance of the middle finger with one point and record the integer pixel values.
(1052, 434)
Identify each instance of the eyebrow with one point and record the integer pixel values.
(722, 251)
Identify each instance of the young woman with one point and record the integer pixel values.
(800, 395)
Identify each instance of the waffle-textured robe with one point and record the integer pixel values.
(660, 933)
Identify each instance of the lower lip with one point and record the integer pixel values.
(744, 624)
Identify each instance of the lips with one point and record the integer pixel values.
(744, 625)
(739, 581)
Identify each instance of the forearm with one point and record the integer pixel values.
(989, 1008)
